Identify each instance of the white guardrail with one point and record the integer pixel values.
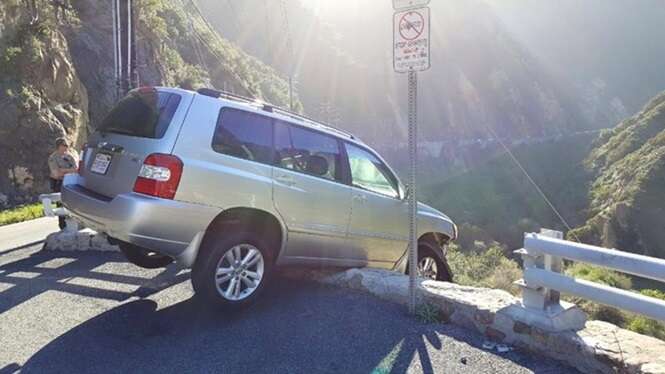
(48, 200)
(49, 211)
(543, 255)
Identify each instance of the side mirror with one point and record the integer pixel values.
(407, 193)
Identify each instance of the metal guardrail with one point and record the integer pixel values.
(49, 211)
(543, 256)
(48, 200)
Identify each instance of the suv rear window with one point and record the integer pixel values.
(145, 114)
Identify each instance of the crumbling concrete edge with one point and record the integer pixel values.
(84, 240)
(598, 347)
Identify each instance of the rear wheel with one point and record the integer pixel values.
(231, 272)
(144, 258)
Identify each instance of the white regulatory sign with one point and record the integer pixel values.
(411, 40)
(403, 4)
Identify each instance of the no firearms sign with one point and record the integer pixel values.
(411, 40)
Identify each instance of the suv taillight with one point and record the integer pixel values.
(159, 176)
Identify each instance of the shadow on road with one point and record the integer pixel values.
(296, 327)
(28, 277)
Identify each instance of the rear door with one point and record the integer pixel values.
(310, 195)
(146, 121)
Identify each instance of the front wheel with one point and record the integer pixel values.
(430, 266)
(231, 272)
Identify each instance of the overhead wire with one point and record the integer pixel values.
(533, 182)
(213, 51)
(197, 45)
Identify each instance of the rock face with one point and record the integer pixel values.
(42, 98)
(56, 75)
(626, 209)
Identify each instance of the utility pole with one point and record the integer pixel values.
(124, 46)
(290, 93)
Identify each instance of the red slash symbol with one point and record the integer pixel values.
(411, 25)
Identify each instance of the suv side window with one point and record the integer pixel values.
(369, 173)
(244, 135)
(306, 151)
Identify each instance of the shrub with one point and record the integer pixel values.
(647, 326)
(487, 269)
(644, 325)
(20, 214)
(630, 321)
(599, 275)
(654, 293)
(428, 313)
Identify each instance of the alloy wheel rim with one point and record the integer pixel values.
(427, 268)
(239, 272)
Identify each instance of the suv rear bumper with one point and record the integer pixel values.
(164, 226)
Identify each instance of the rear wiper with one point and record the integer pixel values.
(117, 131)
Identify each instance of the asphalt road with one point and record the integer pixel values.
(25, 233)
(87, 312)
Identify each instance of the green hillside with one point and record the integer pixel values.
(627, 208)
(496, 200)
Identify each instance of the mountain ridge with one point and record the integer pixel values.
(626, 209)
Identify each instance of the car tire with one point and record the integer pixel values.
(431, 264)
(228, 261)
(143, 257)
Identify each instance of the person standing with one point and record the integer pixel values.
(60, 163)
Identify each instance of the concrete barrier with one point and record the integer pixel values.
(83, 240)
(597, 347)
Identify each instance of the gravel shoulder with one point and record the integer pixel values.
(92, 312)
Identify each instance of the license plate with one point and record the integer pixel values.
(101, 163)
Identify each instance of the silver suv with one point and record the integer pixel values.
(232, 187)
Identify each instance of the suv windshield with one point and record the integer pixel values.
(145, 114)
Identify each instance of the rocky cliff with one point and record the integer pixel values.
(627, 208)
(41, 98)
(56, 75)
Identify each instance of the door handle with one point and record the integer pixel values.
(360, 198)
(286, 180)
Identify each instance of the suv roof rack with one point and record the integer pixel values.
(272, 109)
(226, 95)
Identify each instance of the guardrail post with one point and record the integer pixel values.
(534, 296)
(553, 264)
(543, 306)
(48, 200)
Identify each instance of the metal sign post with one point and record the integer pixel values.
(413, 202)
(403, 4)
(411, 54)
